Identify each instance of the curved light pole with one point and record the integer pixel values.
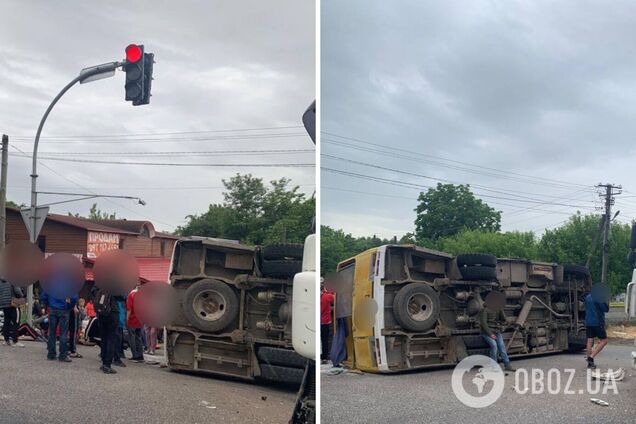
(86, 75)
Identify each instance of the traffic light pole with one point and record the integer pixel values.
(34, 167)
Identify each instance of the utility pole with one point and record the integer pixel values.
(608, 195)
(3, 190)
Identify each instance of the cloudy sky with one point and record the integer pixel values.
(532, 103)
(229, 76)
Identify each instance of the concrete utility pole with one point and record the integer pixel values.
(610, 191)
(3, 190)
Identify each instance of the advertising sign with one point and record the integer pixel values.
(100, 242)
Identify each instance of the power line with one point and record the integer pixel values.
(92, 192)
(170, 140)
(187, 164)
(188, 153)
(521, 198)
(410, 152)
(419, 187)
(30, 137)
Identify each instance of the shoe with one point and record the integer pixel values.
(65, 359)
(18, 344)
(119, 364)
(138, 360)
(590, 363)
(107, 370)
(510, 369)
(8, 343)
(51, 358)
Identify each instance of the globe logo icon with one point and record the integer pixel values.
(488, 381)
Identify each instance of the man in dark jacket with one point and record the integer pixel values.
(596, 305)
(10, 311)
(59, 310)
(107, 309)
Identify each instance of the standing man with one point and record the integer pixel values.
(327, 299)
(492, 320)
(108, 317)
(134, 328)
(596, 305)
(59, 314)
(8, 296)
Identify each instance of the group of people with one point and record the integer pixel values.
(60, 320)
(492, 321)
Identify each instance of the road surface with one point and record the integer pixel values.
(34, 390)
(427, 396)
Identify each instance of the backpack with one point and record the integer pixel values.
(102, 303)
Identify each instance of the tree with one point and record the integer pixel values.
(255, 214)
(448, 209)
(336, 246)
(572, 242)
(96, 214)
(503, 245)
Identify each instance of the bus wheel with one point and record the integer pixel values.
(210, 305)
(416, 307)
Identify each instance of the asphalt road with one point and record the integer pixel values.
(34, 390)
(617, 315)
(427, 396)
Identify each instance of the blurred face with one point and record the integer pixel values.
(81, 302)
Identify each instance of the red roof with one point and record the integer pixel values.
(150, 269)
(154, 269)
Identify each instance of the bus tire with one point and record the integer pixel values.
(416, 307)
(210, 305)
(476, 259)
(478, 273)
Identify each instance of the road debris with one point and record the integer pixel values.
(599, 402)
(617, 375)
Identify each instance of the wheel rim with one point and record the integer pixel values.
(209, 305)
(420, 307)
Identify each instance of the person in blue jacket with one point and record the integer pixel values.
(596, 306)
(59, 311)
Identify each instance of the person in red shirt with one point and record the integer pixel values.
(327, 299)
(134, 328)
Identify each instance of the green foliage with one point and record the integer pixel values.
(96, 214)
(336, 246)
(571, 243)
(12, 204)
(448, 209)
(568, 244)
(513, 244)
(254, 213)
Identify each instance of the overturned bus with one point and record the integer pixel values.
(234, 310)
(404, 307)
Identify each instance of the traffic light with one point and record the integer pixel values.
(149, 60)
(134, 68)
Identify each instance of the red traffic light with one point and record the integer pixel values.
(133, 53)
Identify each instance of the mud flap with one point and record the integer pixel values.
(305, 407)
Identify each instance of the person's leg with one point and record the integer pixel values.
(106, 327)
(72, 332)
(324, 341)
(502, 350)
(53, 321)
(602, 335)
(152, 343)
(492, 345)
(135, 343)
(5, 329)
(64, 316)
(118, 342)
(11, 322)
(588, 347)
